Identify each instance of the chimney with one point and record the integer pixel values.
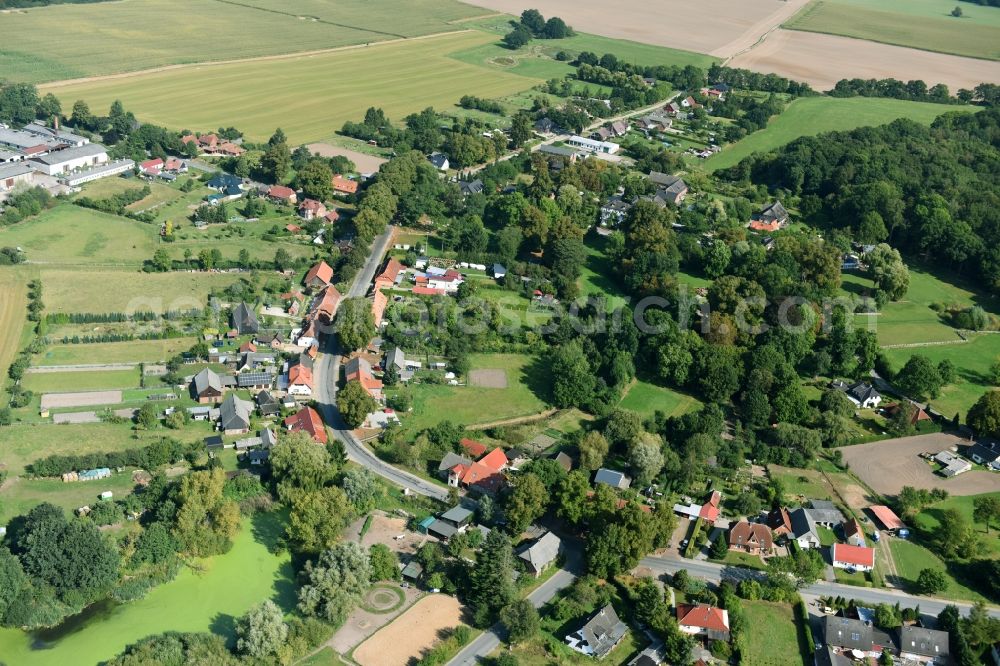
(55, 121)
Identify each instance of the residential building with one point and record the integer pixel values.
(985, 453)
(612, 478)
(360, 370)
(234, 415)
(71, 159)
(254, 379)
(780, 522)
(923, 645)
(499, 271)
(224, 182)
(206, 387)
(311, 209)
(951, 464)
(862, 394)
(307, 420)
(753, 538)
(485, 475)
(471, 187)
(390, 276)
(281, 195)
(770, 218)
(847, 556)
(804, 530)
(439, 161)
(559, 151)
(703, 620)
(614, 211)
(300, 381)
(824, 513)
(592, 146)
(319, 276)
(326, 304)
(539, 555)
(344, 186)
(379, 303)
(854, 534)
(244, 320)
(600, 635)
(851, 634)
(267, 404)
(545, 126)
(450, 461)
(916, 416)
(668, 187)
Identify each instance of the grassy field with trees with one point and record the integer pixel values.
(13, 299)
(156, 292)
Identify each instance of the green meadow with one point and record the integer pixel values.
(87, 290)
(809, 116)
(646, 399)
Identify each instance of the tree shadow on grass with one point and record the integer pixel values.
(536, 376)
(225, 626)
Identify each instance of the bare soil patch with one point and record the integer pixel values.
(888, 465)
(361, 624)
(822, 60)
(81, 399)
(364, 162)
(89, 417)
(384, 530)
(717, 27)
(488, 378)
(413, 632)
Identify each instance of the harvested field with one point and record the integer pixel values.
(411, 633)
(717, 27)
(364, 162)
(872, 462)
(807, 56)
(488, 378)
(13, 301)
(82, 399)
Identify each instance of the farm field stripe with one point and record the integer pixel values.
(313, 18)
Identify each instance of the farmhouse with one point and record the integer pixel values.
(254, 380)
(824, 513)
(471, 187)
(854, 534)
(862, 394)
(310, 209)
(592, 146)
(599, 636)
(542, 553)
(753, 538)
(206, 387)
(300, 381)
(307, 420)
(360, 370)
(343, 185)
(14, 174)
(72, 159)
(244, 320)
(390, 275)
(484, 475)
(234, 415)
(614, 210)
(439, 161)
(703, 620)
(708, 511)
(986, 453)
(770, 218)
(319, 276)
(847, 556)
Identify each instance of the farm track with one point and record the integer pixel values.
(517, 420)
(265, 58)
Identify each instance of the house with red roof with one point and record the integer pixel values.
(307, 420)
(151, 167)
(753, 538)
(248, 346)
(360, 370)
(319, 276)
(326, 305)
(343, 185)
(300, 380)
(281, 195)
(310, 209)
(472, 447)
(379, 303)
(484, 475)
(703, 620)
(174, 165)
(426, 291)
(227, 149)
(710, 509)
(387, 278)
(331, 217)
(848, 556)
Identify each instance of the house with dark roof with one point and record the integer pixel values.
(267, 404)
(613, 478)
(825, 513)
(471, 187)
(703, 620)
(923, 645)
(224, 181)
(985, 453)
(770, 218)
(753, 538)
(545, 126)
(244, 320)
(206, 387)
(439, 161)
(234, 415)
(600, 635)
(854, 534)
(862, 394)
(779, 521)
(614, 210)
(848, 633)
(668, 187)
(804, 529)
(538, 556)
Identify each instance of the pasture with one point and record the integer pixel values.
(526, 379)
(134, 351)
(87, 290)
(926, 25)
(646, 399)
(143, 34)
(202, 599)
(71, 235)
(258, 96)
(773, 635)
(911, 558)
(97, 380)
(809, 116)
(929, 520)
(13, 301)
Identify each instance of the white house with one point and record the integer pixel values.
(300, 381)
(847, 556)
(72, 159)
(862, 394)
(592, 145)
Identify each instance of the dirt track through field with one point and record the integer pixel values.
(413, 632)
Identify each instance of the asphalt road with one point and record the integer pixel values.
(490, 640)
(713, 572)
(326, 372)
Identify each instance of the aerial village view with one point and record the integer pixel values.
(499, 332)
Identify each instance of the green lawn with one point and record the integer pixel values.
(106, 187)
(911, 558)
(858, 578)
(136, 351)
(57, 42)
(929, 519)
(527, 378)
(771, 636)
(738, 559)
(925, 24)
(646, 399)
(61, 382)
(224, 588)
(809, 116)
(325, 657)
(69, 235)
(88, 291)
(807, 483)
(597, 275)
(13, 304)
(401, 77)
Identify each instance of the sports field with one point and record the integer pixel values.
(203, 601)
(809, 116)
(88, 290)
(58, 42)
(924, 24)
(13, 301)
(309, 96)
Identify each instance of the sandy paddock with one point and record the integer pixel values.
(717, 27)
(890, 464)
(822, 60)
(412, 633)
(488, 378)
(385, 529)
(364, 162)
(81, 399)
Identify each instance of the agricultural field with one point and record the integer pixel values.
(13, 301)
(65, 290)
(526, 380)
(926, 24)
(401, 77)
(809, 116)
(134, 351)
(772, 635)
(97, 380)
(194, 601)
(71, 235)
(646, 399)
(143, 34)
